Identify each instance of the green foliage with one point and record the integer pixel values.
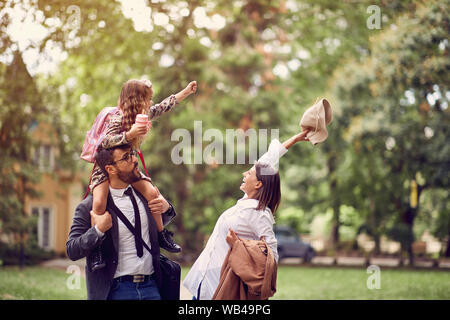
(292, 217)
(388, 96)
(21, 107)
(33, 254)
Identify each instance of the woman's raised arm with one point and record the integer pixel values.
(295, 138)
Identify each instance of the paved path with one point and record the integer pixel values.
(361, 262)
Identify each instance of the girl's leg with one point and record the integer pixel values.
(164, 236)
(149, 192)
(100, 197)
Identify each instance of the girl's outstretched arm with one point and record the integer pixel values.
(186, 92)
(167, 104)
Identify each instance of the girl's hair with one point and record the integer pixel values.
(134, 99)
(270, 193)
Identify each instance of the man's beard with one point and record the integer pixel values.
(129, 177)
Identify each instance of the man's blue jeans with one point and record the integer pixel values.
(127, 290)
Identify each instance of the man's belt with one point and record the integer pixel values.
(136, 278)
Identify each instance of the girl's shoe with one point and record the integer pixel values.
(166, 242)
(95, 260)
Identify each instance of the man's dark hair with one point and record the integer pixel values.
(104, 157)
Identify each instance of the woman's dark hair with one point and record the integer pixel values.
(270, 193)
(104, 157)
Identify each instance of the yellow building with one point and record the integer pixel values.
(61, 191)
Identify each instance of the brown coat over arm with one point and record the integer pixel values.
(249, 272)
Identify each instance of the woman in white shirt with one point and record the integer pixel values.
(251, 218)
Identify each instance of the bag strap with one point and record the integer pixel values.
(143, 162)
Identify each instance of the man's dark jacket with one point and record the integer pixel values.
(83, 238)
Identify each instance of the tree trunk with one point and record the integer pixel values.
(374, 226)
(335, 202)
(21, 197)
(21, 254)
(411, 214)
(410, 254)
(409, 220)
(376, 239)
(447, 250)
(401, 264)
(335, 228)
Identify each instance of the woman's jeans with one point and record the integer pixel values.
(127, 290)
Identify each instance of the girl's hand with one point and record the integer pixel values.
(191, 87)
(158, 205)
(136, 131)
(102, 221)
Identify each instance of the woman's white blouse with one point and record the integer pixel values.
(247, 222)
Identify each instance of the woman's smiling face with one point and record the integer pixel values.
(250, 183)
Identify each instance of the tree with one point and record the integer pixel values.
(325, 35)
(392, 88)
(21, 107)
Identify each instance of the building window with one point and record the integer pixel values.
(44, 226)
(43, 157)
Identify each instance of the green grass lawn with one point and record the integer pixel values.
(344, 283)
(292, 283)
(38, 283)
